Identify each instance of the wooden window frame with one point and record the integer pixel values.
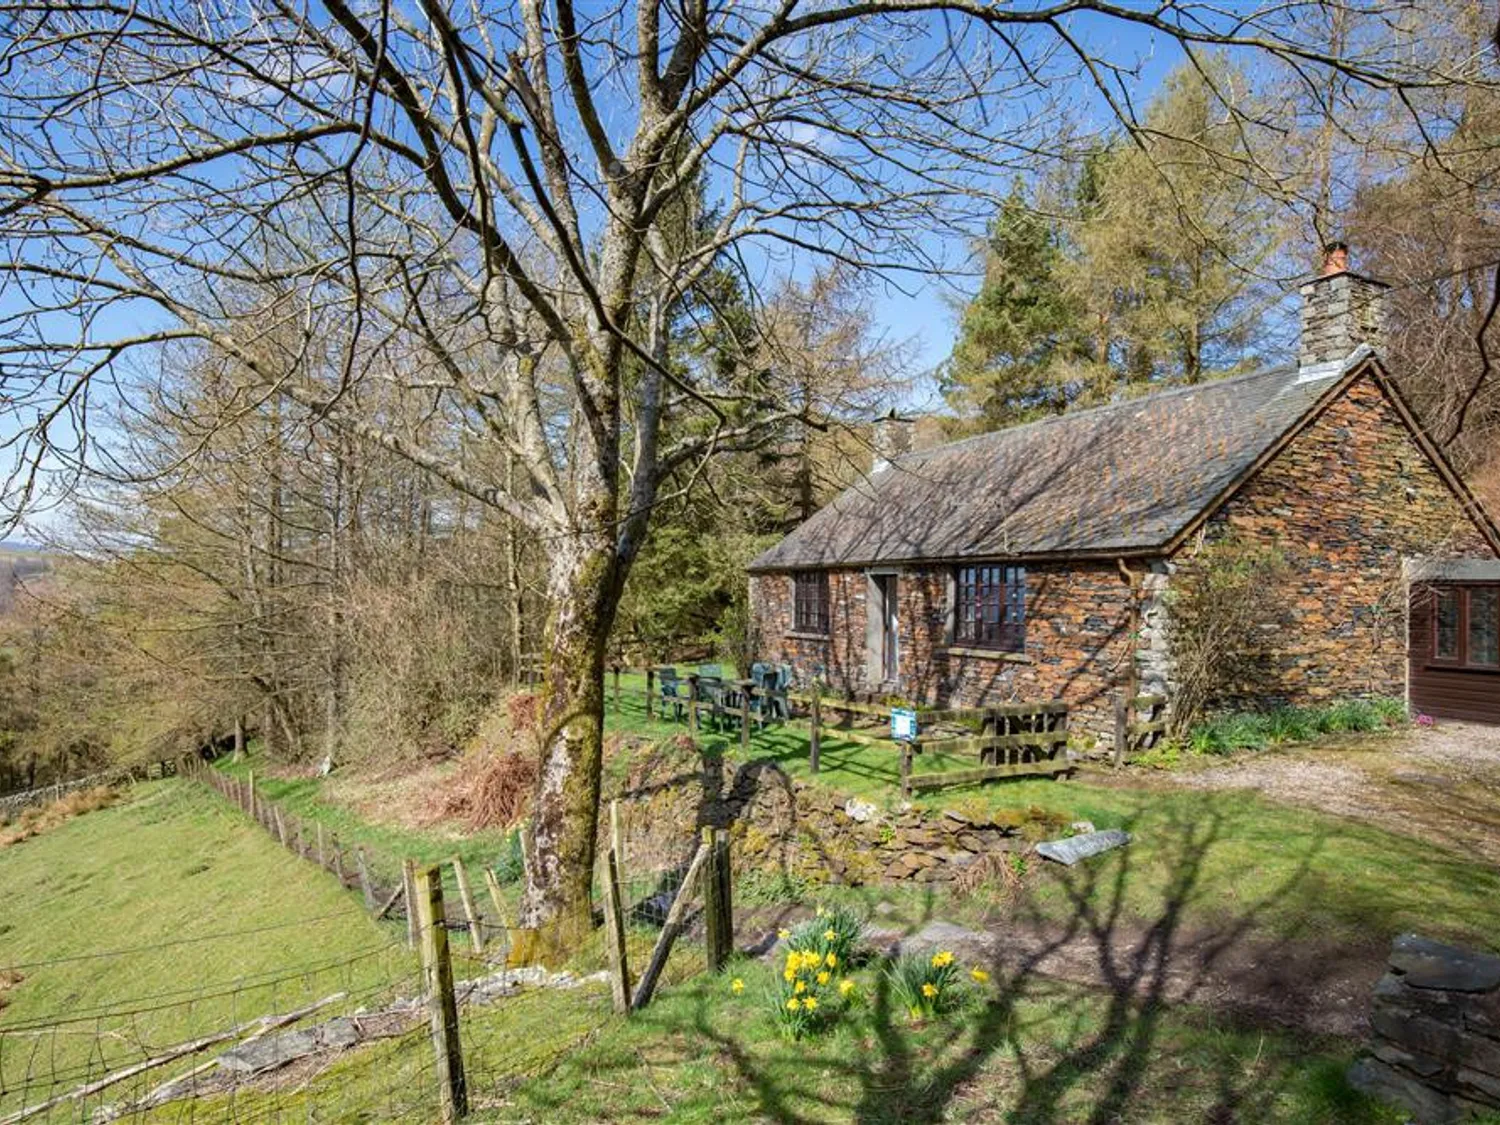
(1461, 659)
(1000, 587)
(810, 603)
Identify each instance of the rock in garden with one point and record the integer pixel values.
(1074, 848)
(1424, 963)
(858, 810)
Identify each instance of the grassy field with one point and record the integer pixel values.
(159, 920)
(1039, 1052)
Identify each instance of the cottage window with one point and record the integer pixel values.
(1484, 626)
(1466, 626)
(1446, 617)
(810, 602)
(989, 607)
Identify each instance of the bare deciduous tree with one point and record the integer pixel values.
(469, 206)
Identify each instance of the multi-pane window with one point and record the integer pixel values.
(1448, 612)
(989, 607)
(810, 602)
(1466, 626)
(1484, 626)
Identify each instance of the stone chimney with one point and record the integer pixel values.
(1340, 311)
(892, 436)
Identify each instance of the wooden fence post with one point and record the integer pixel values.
(250, 795)
(650, 691)
(692, 704)
(322, 854)
(815, 740)
(442, 1008)
(718, 915)
(617, 688)
(906, 769)
(338, 859)
(614, 916)
(476, 932)
(1122, 729)
(492, 884)
(745, 720)
(409, 885)
(280, 824)
(365, 886)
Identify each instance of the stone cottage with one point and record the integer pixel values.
(1031, 563)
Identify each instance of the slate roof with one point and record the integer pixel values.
(1123, 478)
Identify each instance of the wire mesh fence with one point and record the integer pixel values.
(182, 1030)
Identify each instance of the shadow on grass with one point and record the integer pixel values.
(1037, 1051)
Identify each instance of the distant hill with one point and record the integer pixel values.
(19, 562)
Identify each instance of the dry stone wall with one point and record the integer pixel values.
(1436, 1023)
(779, 824)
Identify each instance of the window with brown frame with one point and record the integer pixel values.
(810, 602)
(1466, 626)
(989, 607)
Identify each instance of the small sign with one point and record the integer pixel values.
(903, 724)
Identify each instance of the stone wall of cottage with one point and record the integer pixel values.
(1344, 502)
(1078, 620)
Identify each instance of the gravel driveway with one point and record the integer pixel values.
(1440, 784)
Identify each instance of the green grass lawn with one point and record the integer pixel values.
(1031, 1051)
(161, 919)
(1202, 858)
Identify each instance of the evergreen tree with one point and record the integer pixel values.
(1005, 365)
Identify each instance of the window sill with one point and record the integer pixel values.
(802, 635)
(1450, 666)
(988, 654)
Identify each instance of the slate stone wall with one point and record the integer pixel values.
(1077, 641)
(814, 834)
(1436, 1025)
(1344, 502)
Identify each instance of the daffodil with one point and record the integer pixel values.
(831, 961)
(939, 960)
(789, 973)
(783, 934)
(830, 934)
(801, 986)
(929, 990)
(793, 1004)
(823, 977)
(736, 986)
(846, 986)
(980, 975)
(810, 1003)
(821, 911)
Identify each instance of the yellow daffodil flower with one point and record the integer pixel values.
(823, 977)
(783, 934)
(736, 986)
(810, 1003)
(980, 975)
(939, 960)
(929, 990)
(793, 1004)
(846, 986)
(831, 961)
(830, 934)
(801, 986)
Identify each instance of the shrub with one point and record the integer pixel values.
(510, 864)
(758, 887)
(42, 818)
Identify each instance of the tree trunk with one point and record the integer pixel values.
(584, 586)
(239, 738)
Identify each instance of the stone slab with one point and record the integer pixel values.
(1387, 1084)
(1070, 850)
(1424, 963)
